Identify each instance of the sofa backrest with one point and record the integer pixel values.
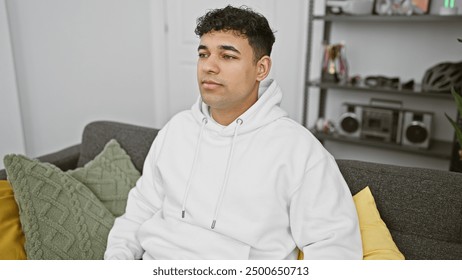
(421, 207)
(135, 140)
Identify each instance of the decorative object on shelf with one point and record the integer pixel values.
(350, 121)
(443, 76)
(324, 126)
(382, 82)
(420, 6)
(409, 85)
(393, 83)
(351, 7)
(383, 7)
(386, 121)
(394, 7)
(449, 8)
(401, 7)
(417, 128)
(354, 80)
(382, 120)
(334, 64)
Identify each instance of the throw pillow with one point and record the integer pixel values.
(11, 237)
(110, 176)
(61, 218)
(377, 241)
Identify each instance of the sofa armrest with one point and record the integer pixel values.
(65, 159)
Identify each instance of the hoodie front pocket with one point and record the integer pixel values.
(165, 239)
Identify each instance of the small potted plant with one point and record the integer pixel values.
(457, 128)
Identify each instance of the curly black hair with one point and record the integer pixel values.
(244, 21)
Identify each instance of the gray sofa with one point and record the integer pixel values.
(421, 207)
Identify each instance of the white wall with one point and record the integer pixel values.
(79, 61)
(11, 134)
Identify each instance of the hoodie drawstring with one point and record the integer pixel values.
(228, 167)
(225, 180)
(193, 168)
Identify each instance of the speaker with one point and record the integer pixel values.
(417, 129)
(350, 123)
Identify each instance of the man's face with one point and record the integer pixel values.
(227, 73)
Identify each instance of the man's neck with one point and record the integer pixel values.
(225, 117)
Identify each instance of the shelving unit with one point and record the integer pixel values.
(438, 149)
(416, 92)
(372, 18)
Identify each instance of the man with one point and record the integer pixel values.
(234, 177)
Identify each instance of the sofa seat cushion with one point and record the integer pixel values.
(422, 248)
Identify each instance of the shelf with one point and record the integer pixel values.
(378, 18)
(438, 148)
(362, 88)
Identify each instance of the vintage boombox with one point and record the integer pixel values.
(391, 124)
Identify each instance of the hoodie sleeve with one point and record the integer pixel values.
(122, 242)
(324, 220)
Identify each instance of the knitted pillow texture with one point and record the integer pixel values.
(61, 217)
(110, 176)
(68, 215)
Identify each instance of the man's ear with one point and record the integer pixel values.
(263, 68)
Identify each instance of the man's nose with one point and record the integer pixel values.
(210, 65)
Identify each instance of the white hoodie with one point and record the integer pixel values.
(258, 188)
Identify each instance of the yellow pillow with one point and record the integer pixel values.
(377, 241)
(11, 237)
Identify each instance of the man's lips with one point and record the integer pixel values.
(211, 84)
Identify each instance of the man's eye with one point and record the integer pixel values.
(202, 55)
(228, 57)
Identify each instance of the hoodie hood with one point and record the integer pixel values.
(266, 110)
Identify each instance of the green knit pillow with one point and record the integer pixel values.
(110, 176)
(61, 218)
